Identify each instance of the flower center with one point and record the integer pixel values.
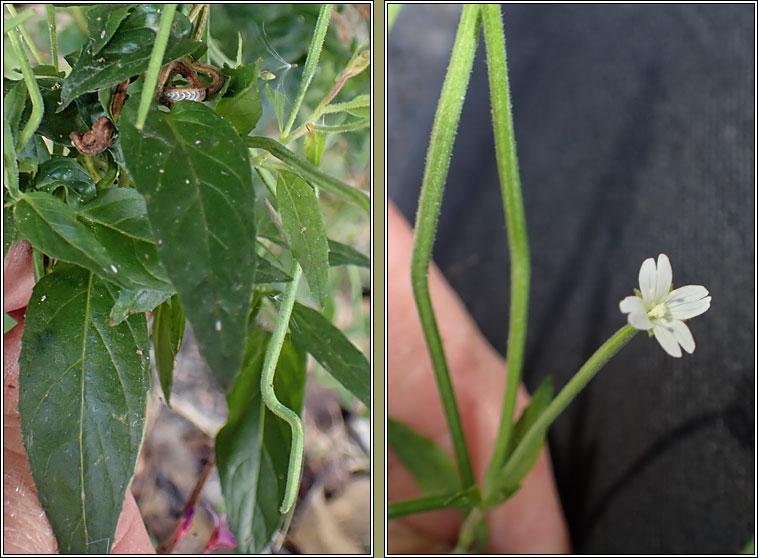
(658, 311)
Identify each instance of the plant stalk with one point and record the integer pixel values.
(154, 66)
(38, 106)
(52, 31)
(27, 38)
(423, 504)
(311, 62)
(518, 245)
(588, 371)
(438, 157)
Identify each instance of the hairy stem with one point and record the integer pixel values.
(27, 38)
(518, 245)
(588, 371)
(311, 62)
(269, 396)
(52, 31)
(38, 106)
(438, 157)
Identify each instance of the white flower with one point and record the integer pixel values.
(659, 308)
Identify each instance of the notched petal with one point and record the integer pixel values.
(667, 340)
(683, 335)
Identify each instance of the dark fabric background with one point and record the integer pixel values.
(635, 130)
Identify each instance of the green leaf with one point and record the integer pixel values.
(115, 219)
(749, 547)
(58, 126)
(103, 21)
(83, 391)
(118, 219)
(10, 232)
(267, 272)
(466, 498)
(52, 227)
(342, 254)
(46, 70)
(539, 402)
(8, 323)
(136, 302)
(241, 105)
(194, 173)
(32, 154)
(168, 332)
(303, 167)
(126, 54)
(363, 112)
(364, 122)
(14, 103)
(329, 346)
(339, 254)
(303, 225)
(314, 146)
(277, 99)
(66, 173)
(431, 466)
(252, 449)
(10, 168)
(359, 106)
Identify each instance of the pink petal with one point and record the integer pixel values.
(221, 535)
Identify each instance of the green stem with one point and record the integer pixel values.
(10, 168)
(27, 38)
(606, 351)
(518, 245)
(349, 127)
(206, 57)
(15, 21)
(38, 106)
(309, 172)
(362, 101)
(270, 360)
(393, 10)
(154, 66)
(311, 62)
(423, 504)
(357, 64)
(467, 532)
(52, 30)
(440, 146)
(38, 265)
